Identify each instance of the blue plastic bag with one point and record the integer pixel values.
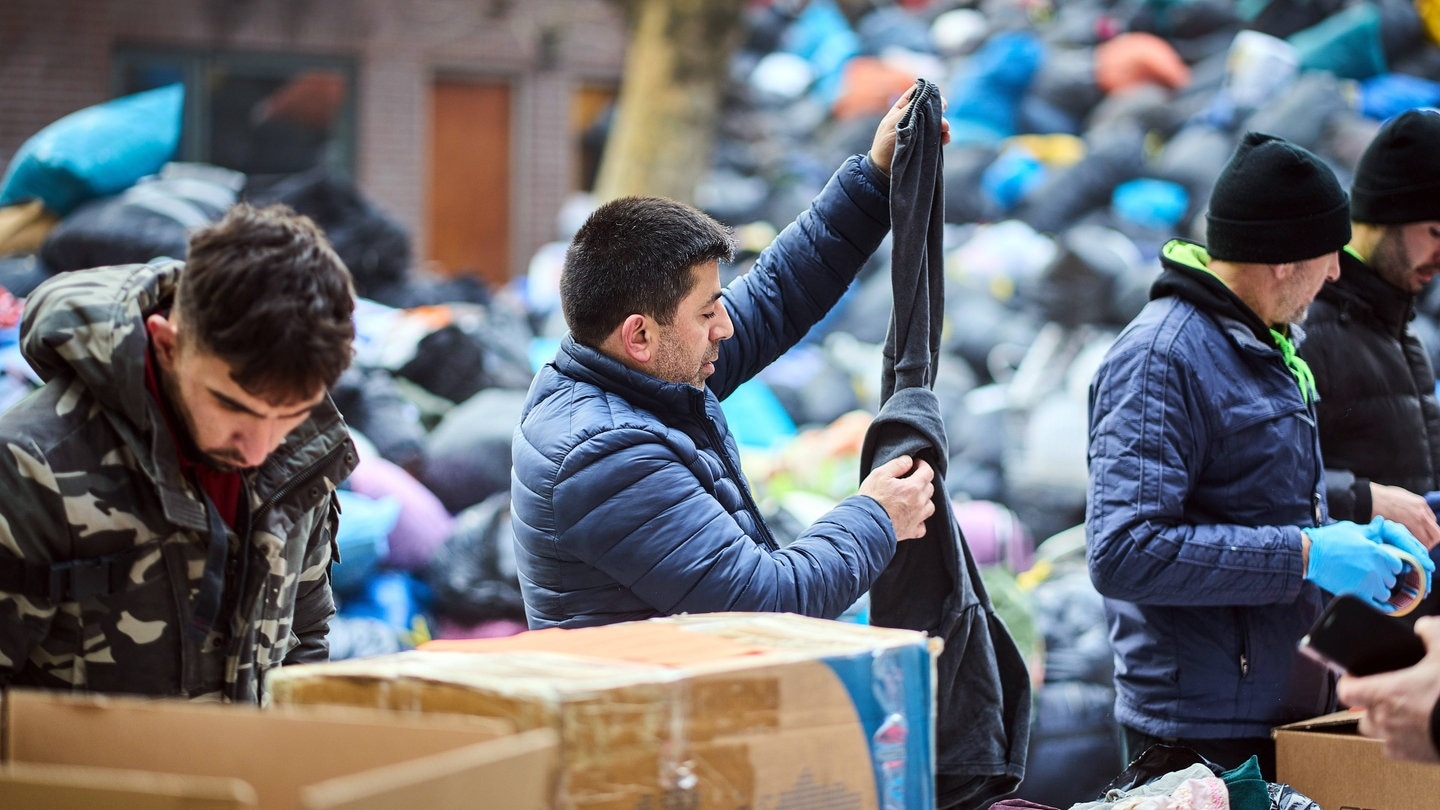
(363, 538)
(985, 91)
(1150, 202)
(1389, 94)
(97, 151)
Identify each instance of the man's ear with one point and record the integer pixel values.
(164, 337)
(637, 336)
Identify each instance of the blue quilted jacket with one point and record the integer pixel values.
(1204, 467)
(627, 498)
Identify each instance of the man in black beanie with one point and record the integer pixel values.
(1379, 419)
(1206, 523)
(1378, 415)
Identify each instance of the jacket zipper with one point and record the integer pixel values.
(253, 596)
(1244, 643)
(767, 539)
(298, 481)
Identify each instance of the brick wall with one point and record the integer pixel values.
(56, 57)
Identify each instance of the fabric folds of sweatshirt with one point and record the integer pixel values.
(933, 584)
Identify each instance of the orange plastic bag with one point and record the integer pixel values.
(1136, 57)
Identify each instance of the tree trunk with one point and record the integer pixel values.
(665, 119)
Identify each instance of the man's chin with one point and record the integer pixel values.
(705, 372)
(221, 465)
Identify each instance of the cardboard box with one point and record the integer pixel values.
(64, 751)
(711, 710)
(1326, 759)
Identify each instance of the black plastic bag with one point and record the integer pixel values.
(472, 577)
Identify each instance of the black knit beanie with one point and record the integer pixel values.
(1275, 202)
(1398, 178)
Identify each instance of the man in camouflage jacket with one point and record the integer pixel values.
(124, 565)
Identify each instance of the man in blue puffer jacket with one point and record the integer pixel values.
(1206, 528)
(627, 497)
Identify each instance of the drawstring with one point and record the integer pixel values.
(1304, 377)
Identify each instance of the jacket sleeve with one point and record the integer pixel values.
(1148, 431)
(683, 552)
(800, 277)
(314, 601)
(32, 517)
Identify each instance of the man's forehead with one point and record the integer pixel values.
(705, 279)
(262, 405)
(216, 375)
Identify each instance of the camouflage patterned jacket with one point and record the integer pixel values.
(109, 539)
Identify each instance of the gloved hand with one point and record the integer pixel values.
(1395, 534)
(1348, 557)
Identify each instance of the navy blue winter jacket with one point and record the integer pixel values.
(1204, 467)
(627, 497)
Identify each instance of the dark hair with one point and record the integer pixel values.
(263, 290)
(634, 255)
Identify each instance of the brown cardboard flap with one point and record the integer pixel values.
(1341, 722)
(524, 762)
(1327, 760)
(87, 751)
(695, 642)
(60, 787)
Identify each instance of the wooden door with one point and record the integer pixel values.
(469, 222)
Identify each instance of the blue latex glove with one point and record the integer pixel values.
(1347, 557)
(1395, 534)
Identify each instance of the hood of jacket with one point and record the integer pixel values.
(91, 323)
(1184, 274)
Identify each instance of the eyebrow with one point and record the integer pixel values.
(231, 402)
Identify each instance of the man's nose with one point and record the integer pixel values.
(724, 327)
(258, 441)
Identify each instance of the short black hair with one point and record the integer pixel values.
(263, 290)
(634, 255)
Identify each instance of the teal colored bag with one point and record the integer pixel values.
(96, 151)
(1347, 44)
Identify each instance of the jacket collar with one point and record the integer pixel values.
(1360, 291)
(1184, 275)
(590, 365)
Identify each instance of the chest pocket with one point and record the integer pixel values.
(1262, 464)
